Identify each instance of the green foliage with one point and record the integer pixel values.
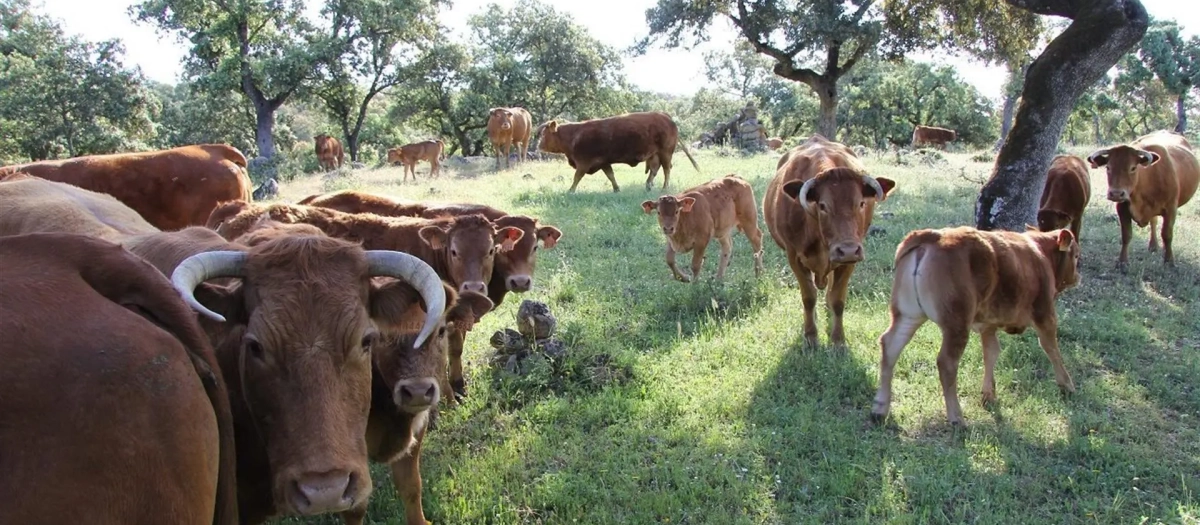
(1174, 60)
(988, 29)
(193, 115)
(62, 96)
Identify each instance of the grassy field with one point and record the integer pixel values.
(697, 403)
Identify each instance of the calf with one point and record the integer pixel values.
(508, 128)
(964, 279)
(410, 154)
(1065, 195)
(329, 152)
(923, 135)
(1152, 177)
(691, 219)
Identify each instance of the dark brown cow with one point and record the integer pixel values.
(410, 154)
(110, 401)
(632, 138)
(818, 209)
(171, 188)
(964, 279)
(509, 127)
(1152, 177)
(33, 205)
(1065, 195)
(923, 135)
(691, 219)
(329, 152)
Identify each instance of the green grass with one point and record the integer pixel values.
(698, 403)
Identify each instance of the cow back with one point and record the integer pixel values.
(34, 205)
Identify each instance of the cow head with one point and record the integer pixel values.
(548, 139)
(395, 156)
(517, 265)
(1062, 249)
(469, 244)
(297, 350)
(669, 208)
(842, 201)
(1122, 163)
(1049, 219)
(502, 117)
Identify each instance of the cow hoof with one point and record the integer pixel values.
(460, 389)
(878, 418)
(683, 278)
(1123, 267)
(1153, 248)
(616, 190)
(988, 400)
(811, 341)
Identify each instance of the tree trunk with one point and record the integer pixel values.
(352, 145)
(264, 130)
(1006, 118)
(1096, 128)
(1181, 113)
(1101, 32)
(827, 122)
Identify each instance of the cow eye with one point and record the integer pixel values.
(441, 332)
(821, 206)
(535, 247)
(255, 348)
(492, 251)
(453, 252)
(862, 205)
(368, 341)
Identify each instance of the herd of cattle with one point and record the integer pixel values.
(175, 352)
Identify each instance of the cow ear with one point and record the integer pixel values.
(508, 236)
(649, 206)
(887, 184)
(792, 189)
(227, 300)
(552, 126)
(1147, 158)
(434, 236)
(1065, 238)
(1098, 159)
(467, 310)
(686, 204)
(549, 236)
(1031, 228)
(393, 301)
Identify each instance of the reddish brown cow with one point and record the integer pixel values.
(33, 205)
(965, 279)
(410, 154)
(632, 138)
(923, 135)
(691, 219)
(351, 201)
(1065, 195)
(1152, 177)
(329, 152)
(110, 400)
(509, 127)
(171, 188)
(774, 143)
(818, 209)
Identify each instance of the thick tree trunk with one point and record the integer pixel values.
(1099, 134)
(1006, 118)
(264, 130)
(1181, 113)
(352, 146)
(1101, 32)
(827, 122)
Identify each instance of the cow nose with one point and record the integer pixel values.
(1118, 195)
(668, 230)
(847, 252)
(474, 286)
(415, 395)
(319, 493)
(519, 283)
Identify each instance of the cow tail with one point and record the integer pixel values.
(688, 153)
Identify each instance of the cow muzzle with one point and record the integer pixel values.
(322, 492)
(846, 253)
(519, 283)
(474, 286)
(416, 395)
(1118, 195)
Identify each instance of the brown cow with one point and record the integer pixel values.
(33, 205)
(351, 201)
(818, 209)
(632, 138)
(964, 279)
(329, 152)
(1065, 195)
(1151, 177)
(509, 127)
(409, 154)
(692, 218)
(923, 135)
(774, 143)
(110, 401)
(171, 188)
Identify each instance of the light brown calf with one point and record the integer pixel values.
(1065, 195)
(691, 219)
(964, 279)
(410, 154)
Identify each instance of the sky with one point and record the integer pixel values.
(618, 23)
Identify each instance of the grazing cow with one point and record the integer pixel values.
(432, 151)
(923, 135)
(692, 218)
(1065, 195)
(171, 188)
(774, 143)
(509, 127)
(111, 404)
(964, 279)
(1151, 177)
(818, 209)
(295, 319)
(33, 205)
(329, 152)
(512, 270)
(632, 138)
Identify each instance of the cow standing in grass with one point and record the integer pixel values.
(508, 128)
(691, 219)
(1065, 195)
(329, 152)
(923, 135)
(964, 279)
(432, 151)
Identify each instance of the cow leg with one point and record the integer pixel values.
(752, 232)
(1048, 337)
(612, 178)
(698, 260)
(406, 476)
(652, 166)
(991, 351)
(457, 382)
(954, 341)
(1153, 246)
(671, 264)
(808, 292)
(1077, 228)
(1125, 217)
(835, 299)
(891, 344)
(1168, 236)
(665, 160)
(726, 252)
(496, 148)
(578, 177)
